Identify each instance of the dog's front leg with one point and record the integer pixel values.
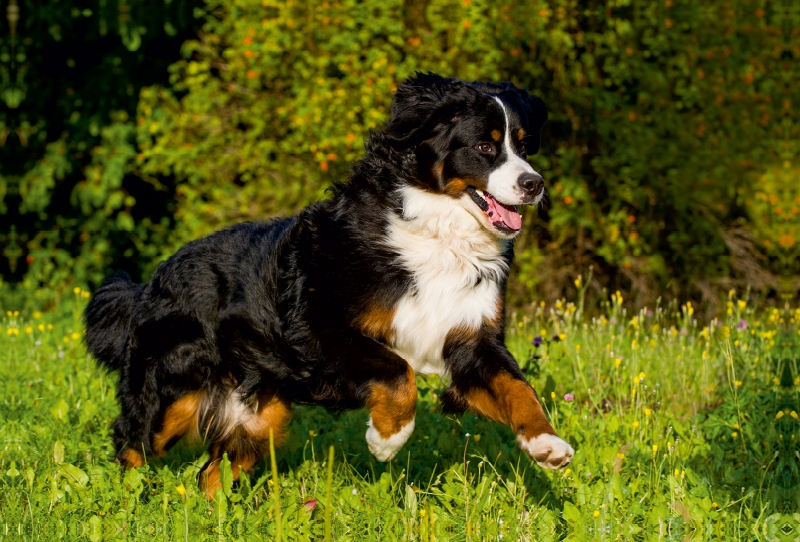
(392, 408)
(487, 380)
(385, 383)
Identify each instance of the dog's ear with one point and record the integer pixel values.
(421, 103)
(535, 113)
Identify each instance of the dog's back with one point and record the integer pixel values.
(200, 279)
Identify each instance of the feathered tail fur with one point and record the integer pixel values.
(107, 319)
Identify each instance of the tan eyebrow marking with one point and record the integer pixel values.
(496, 135)
(521, 134)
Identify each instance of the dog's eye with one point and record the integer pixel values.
(485, 147)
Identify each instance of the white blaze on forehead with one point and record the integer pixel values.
(503, 180)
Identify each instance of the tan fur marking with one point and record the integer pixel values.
(179, 418)
(496, 135)
(132, 459)
(462, 335)
(377, 323)
(439, 169)
(455, 187)
(210, 481)
(499, 313)
(272, 413)
(248, 443)
(393, 407)
(512, 402)
(521, 134)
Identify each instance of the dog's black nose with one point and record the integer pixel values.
(531, 183)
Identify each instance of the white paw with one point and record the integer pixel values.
(548, 451)
(385, 449)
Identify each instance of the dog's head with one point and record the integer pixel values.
(470, 142)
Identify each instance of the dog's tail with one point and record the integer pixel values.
(107, 319)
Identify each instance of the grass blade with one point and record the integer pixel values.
(275, 488)
(328, 496)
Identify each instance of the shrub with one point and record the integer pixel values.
(671, 129)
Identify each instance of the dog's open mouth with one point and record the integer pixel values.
(504, 217)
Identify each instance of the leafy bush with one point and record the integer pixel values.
(70, 75)
(663, 118)
(672, 136)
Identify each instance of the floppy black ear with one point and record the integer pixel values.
(421, 103)
(535, 116)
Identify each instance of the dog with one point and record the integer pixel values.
(401, 271)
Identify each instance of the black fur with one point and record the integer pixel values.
(269, 307)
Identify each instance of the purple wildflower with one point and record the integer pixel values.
(612, 321)
(537, 341)
(684, 331)
(742, 325)
(569, 397)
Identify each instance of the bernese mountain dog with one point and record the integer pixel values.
(401, 271)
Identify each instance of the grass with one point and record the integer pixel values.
(682, 430)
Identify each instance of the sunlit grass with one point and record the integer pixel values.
(681, 429)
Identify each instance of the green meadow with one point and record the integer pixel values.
(683, 429)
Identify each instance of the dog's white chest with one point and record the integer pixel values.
(457, 268)
(424, 319)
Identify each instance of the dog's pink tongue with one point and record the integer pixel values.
(508, 214)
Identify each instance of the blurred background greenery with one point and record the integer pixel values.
(128, 127)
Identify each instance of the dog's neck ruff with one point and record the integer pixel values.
(457, 268)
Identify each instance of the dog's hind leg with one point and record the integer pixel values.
(139, 405)
(245, 439)
(179, 418)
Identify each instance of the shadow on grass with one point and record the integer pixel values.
(439, 443)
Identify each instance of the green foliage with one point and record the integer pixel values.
(70, 75)
(673, 129)
(663, 118)
(681, 429)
